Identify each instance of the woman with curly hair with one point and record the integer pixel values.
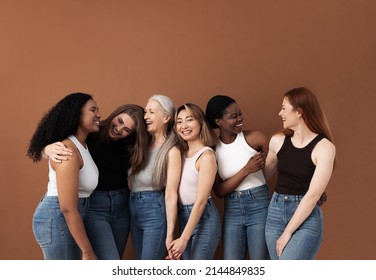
(58, 219)
(122, 141)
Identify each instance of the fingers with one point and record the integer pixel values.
(60, 152)
(259, 160)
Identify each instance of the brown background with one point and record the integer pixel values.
(124, 51)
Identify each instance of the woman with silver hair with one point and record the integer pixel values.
(153, 199)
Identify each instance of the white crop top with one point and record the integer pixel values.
(88, 175)
(232, 157)
(189, 179)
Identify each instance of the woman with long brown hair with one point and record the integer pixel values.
(303, 156)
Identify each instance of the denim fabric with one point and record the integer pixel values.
(107, 223)
(305, 241)
(206, 235)
(148, 224)
(51, 230)
(244, 224)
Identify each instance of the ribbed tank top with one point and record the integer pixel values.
(295, 167)
(142, 181)
(189, 179)
(232, 157)
(88, 174)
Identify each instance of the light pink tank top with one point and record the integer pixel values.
(189, 179)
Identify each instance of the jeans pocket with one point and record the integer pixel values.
(42, 229)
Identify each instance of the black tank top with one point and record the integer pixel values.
(295, 167)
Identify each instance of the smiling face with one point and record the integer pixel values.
(290, 116)
(187, 127)
(121, 126)
(90, 117)
(232, 120)
(155, 118)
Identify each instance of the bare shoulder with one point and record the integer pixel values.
(70, 145)
(278, 137)
(249, 134)
(207, 158)
(325, 147)
(276, 142)
(255, 138)
(75, 160)
(174, 152)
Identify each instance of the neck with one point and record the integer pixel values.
(81, 137)
(226, 137)
(194, 147)
(302, 134)
(158, 140)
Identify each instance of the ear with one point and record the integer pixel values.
(166, 118)
(218, 122)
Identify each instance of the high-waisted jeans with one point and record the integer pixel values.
(148, 224)
(206, 235)
(51, 230)
(305, 241)
(244, 224)
(107, 223)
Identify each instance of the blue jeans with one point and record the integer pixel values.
(148, 225)
(107, 223)
(51, 230)
(305, 241)
(204, 240)
(244, 224)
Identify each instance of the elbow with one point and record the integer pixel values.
(66, 210)
(171, 197)
(219, 194)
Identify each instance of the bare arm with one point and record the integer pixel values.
(67, 174)
(323, 155)
(275, 145)
(171, 194)
(207, 169)
(257, 141)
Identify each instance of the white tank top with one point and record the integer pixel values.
(232, 157)
(88, 175)
(189, 179)
(142, 181)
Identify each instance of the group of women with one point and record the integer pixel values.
(147, 170)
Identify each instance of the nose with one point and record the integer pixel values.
(121, 127)
(183, 125)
